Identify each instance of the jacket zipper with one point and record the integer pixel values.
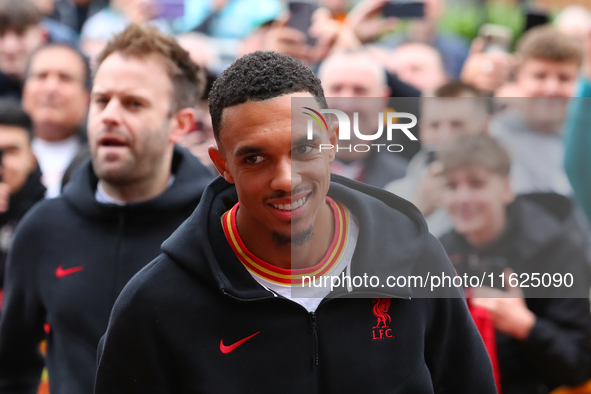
(120, 227)
(313, 325)
(313, 321)
(314, 329)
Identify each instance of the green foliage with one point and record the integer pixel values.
(467, 19)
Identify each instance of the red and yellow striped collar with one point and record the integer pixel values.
(290, 276)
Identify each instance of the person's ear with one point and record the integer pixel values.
(182, 123)
(220, 163)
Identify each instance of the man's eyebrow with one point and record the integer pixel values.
(125, 96)
(246, 150)
(316, 138)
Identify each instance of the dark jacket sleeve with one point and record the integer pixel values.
(131, 355)
(559, 345)
(454, 350)
(23, 316)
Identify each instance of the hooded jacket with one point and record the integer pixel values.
(70, 259)
(30, 193)
(195, 320)
(541, 236)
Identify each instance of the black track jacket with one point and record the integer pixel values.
(185, 323)
(70, 259)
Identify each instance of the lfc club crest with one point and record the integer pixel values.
(382, 328)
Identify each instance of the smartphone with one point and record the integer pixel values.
(300, 17)
(170, 9)
(497, 38)
(404, 9)
(535, 18)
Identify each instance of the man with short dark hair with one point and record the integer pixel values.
(56, 94)
(20, 35)
(225, 308)
(20, 177)
(72, 255)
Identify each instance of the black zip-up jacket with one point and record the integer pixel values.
(541, 236)
(70, 259)
(185, 323)
(20, 202)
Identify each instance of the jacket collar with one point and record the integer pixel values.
(21, 201)
(392, 236)
(191, 178)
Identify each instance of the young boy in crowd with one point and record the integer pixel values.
(541, 343)
(531, 127)
(456, 110)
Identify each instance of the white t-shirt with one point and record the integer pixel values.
(54, 158)
(102, 196)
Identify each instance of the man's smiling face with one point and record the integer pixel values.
(281, 177)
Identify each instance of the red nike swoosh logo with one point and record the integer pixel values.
(228, 349)
(60, 272)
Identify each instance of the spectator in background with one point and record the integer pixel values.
(542, 343)
(57, 31)
(547, 63)
(354, 83)
(201, 137)
(228, 18)
(20, 179)
(547, 69)
(455, 111)
(360, 26)
(453, 48)
(574, 21)
(72, 255)
(20, 35)
(112, 20)
(74, 13)
(56, 97)
(418, 65)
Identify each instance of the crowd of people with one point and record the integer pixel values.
(117, 116)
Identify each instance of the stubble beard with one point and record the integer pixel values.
(296, 240)
(119, 174)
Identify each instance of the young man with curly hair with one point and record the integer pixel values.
(224, 310)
